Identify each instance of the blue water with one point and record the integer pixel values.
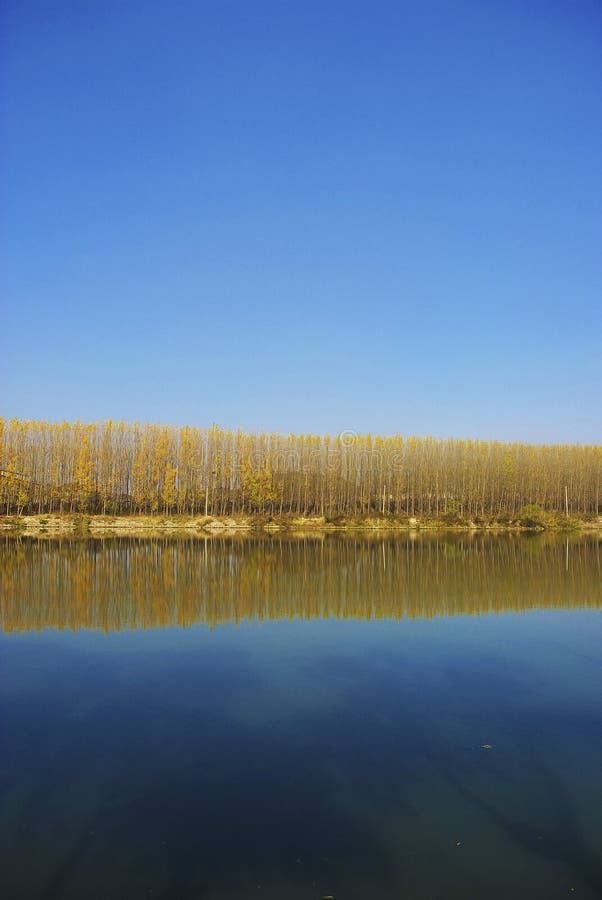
(422, 758)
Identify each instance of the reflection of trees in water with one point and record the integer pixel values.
(118, 583)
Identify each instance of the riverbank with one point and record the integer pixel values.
(79, 524)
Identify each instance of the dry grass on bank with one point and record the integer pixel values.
(148, 525)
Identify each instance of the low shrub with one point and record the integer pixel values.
(533, 516)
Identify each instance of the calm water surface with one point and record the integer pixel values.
(300, 718)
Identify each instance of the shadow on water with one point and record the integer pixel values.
(286, 836)
(557, 836)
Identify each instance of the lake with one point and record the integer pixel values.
(299, 716)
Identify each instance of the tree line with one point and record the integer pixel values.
(122, 468)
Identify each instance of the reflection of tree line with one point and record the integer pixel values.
(118, 583)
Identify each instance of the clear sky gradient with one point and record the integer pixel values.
(304, 216)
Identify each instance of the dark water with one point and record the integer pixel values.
(299, 718)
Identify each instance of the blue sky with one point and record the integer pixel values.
(306, 216)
